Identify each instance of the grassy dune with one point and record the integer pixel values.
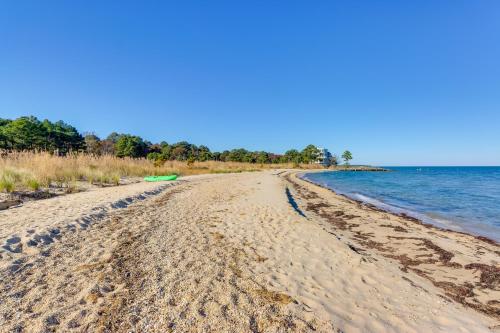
(32, 171)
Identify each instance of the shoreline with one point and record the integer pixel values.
(427, 235)
(406, 213)
(262, 251)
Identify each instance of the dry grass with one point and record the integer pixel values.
(32, 171)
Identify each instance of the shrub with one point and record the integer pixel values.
(32, 184)
(190, 162)
(6, 185)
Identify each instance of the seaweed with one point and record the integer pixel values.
(490, 275)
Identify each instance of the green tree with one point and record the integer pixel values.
(273, 158)
(262, 157)
(153, 147)
(216, 156)
(3, 136)
(28, 133)
(204, 153)
(25, 133)
(292, 156)
(239, 155)
(224, 156)
(73, 140)
(309, 154)
(181, 151)
(114, 137)
(3, 139)
(130, 146)
(62, 137)
(154, 156)
(347, 156)
(166, 150)
(193, 152)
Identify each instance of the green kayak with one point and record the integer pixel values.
(160, 178)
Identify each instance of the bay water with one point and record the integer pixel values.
(459, 198)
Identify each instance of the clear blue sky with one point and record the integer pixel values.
(396, 82)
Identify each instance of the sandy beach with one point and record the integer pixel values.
(249, 252)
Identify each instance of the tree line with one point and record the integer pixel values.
(29, 133)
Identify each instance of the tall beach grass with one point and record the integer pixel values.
(35, 170)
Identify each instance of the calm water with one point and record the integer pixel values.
(460, 198)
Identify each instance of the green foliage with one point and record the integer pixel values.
(114, 137)
(130, 146)
(6, 185)
(28, 133)
(347, 156)
(25, 133)
(204, 153)
(262, 157)
(154, 156)
(239, 155)
(4, 122)
(32, 184)
(181, 151)
(62, 137)
(292, 156)
(8, 179)
(190, 161)
(3, 135)
(115, 179)
(166, 151)
(309, 154)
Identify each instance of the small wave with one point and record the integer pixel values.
(430, 217)
(369, 200)
(438, 218)
(387, 207)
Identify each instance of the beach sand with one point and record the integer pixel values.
(250, 252)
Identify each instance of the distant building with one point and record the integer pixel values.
(324, 157)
